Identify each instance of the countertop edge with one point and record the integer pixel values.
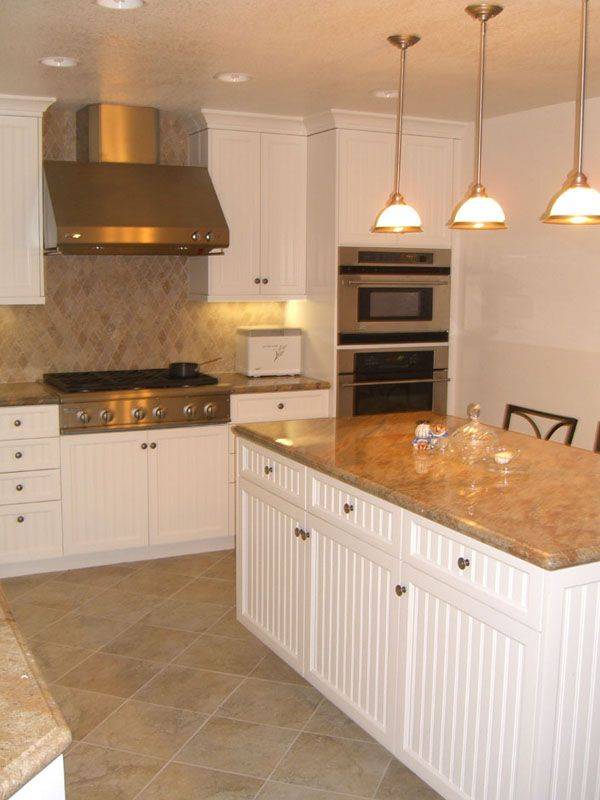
(438, 515)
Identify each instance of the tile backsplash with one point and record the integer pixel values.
(119, 312)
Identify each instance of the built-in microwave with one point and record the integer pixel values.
(393, 291)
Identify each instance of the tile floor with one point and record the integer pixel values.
(169, 698)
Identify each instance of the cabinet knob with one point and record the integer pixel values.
(268, 469)
(280, 406)
(144, 446)
(265, 280)
(256, 280)
(18, 454)
(152, 445)
(19, 487)
(463, 563)
(348, 508)
(20, 518)
(17, 423)
(400, 590)
(297, 532)
(305, 535)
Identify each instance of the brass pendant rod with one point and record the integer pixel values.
(578, 155)
(479, 122)
(399, 116)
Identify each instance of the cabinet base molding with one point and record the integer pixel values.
(116, 557)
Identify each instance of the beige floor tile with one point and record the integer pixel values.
(235, 746)
(284, 704)
(222, 654)
(59, 594)
(193, 689)
(34, 619)
(147, 729)
(229, 626)
(116, 603)
(56, 659)
(224, 569)
(400, 783)
(150, 643)
(145, 582)
(285, 791)
(94, 773)
(336, 765)
(273, 668)
(79, 630)
(192, 565)
(196, 617)
(330, 721)
(100, 577)
(14, 587)
(110, 674)
(184, 782)
(83, 710)
(208, 590)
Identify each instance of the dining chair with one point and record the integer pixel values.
(528, 414)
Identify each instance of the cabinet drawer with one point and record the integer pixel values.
(371, 519)
(272, 471)
(30, 531)
(508, 584)
(29, 487)
(279, 405)
(24, 454)
(28, 422)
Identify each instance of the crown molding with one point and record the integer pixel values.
(18, 105)
(337, 118)
(245, 121)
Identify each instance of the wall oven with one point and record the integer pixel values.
(382, 380)
(383, 291)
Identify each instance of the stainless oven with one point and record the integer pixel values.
(380, 380)
(383, 291)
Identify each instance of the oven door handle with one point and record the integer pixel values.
(393, 383)
(369, 283)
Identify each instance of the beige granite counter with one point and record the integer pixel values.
(546, 512)
(32, 730)
(237, 383)
(26, 394)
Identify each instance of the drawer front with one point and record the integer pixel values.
(279, 406)
(275, 473)
(367, 517)
(30, 531)
(29, 487)
(25, 454)
(508, 584)
(28, 422)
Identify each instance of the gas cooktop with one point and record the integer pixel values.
(124, 380)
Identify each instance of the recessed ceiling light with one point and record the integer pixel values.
(120, 5)
(233, 77)
(387, 94)
(59, 61)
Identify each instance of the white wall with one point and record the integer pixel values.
(528, 298)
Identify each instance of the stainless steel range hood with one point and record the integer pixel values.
(117, 200)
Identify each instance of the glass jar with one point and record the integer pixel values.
(473, 441)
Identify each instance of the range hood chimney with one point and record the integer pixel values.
(117, 200)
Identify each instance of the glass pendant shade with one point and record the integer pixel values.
(478, 212)
(397, 216)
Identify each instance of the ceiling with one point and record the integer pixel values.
(305, 55)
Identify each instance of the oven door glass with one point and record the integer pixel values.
(386, 398)
(395, 304)
(392, 364)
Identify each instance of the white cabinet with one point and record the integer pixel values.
(260, 180)
(21, 242)
(365, 179)
(188, 484)
(272, 560)
(354, 613)
(469, 691)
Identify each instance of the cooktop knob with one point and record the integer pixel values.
(159, 412)
(138, 414)
(83, 416)
(189, 411)
(209, 410)
(106, 416)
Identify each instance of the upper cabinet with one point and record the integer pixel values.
(260, 180)
(21, 234)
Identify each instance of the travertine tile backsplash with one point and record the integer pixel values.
(105, 312)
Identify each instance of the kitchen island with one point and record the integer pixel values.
(450, 610)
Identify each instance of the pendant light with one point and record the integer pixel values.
(477, 211)
(397, 216)
(576, 203)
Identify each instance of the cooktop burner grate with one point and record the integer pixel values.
(127, 379)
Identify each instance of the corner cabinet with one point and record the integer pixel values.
(21, 229)
(260, 180)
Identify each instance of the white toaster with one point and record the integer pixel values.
(265, 350)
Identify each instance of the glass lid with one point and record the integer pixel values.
(474, 440)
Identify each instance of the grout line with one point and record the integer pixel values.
(383, 774)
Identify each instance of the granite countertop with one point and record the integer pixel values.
(546, 512)
(26, 394)
(32, 730)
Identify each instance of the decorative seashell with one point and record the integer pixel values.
(423, 430)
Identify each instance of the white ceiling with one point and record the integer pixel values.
(305, 55)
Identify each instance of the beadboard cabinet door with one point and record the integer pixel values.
(354, 616)
(468, 698)
(188, 488)
(104, 491)
(272, 568)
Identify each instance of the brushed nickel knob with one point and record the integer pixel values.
(463, 563)
(107, 416)
(19, 487)
(210, 410)
(189, 411)
(159, 412)
(268, 469)
(20, 518)
(400, 590)
(83, 416)
(138, 414)
(196, 236)
(348, 508)
(17, 423)
(18, 454)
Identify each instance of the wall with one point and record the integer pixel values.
(529, 297)
(105, 312)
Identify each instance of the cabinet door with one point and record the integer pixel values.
(353, 627)
(469, 693)
(272, 571)
(104, 491)
(20, 223)
(234, 166)
(188, 483)
(283, 214)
